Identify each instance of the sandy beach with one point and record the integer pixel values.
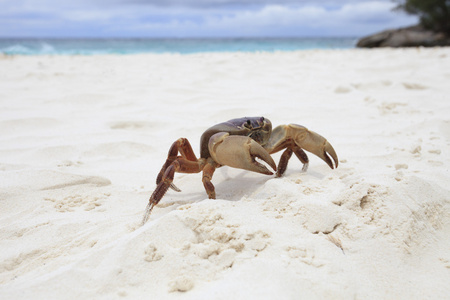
(82, 139)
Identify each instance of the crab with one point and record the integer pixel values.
(238, 143)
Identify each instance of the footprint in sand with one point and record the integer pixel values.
(372, 85)
(133, 125)
(390, 107)
(414, 86)
(342, 90)
(73, 202)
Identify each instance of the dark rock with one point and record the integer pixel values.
(413, 36)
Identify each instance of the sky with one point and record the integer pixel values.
(198, 18)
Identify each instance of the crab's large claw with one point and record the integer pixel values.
(239, 152)
(307, 140)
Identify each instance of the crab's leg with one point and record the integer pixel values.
(296, 138)
(179, 165)
(208, 172)
(284, 159)
(183, 147)
(239, 152)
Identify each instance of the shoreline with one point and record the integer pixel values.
(125, 46)
(374, 51)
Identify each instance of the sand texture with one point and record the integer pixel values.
(82, 139)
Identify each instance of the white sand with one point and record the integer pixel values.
(83, 138)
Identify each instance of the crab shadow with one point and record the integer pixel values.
(234, 184)
(230, 185)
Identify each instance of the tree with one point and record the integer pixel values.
(434, 14)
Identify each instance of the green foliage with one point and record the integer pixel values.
(434, 14)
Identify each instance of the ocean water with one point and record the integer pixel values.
(37, 46)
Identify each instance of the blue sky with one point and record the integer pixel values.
(197, 18)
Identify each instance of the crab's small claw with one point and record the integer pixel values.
(305, 139)
(314, 143)
(329, 151)
(239, 152)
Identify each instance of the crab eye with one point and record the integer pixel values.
(248, 124)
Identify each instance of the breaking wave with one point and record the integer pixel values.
(182, 46)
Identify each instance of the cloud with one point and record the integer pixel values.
(197, 18)
(352, 19)
(231, 3)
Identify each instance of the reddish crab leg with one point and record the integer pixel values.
(182, 146)
(284, 159)
(208, 172)
(180, 165)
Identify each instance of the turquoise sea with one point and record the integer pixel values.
(38, 46)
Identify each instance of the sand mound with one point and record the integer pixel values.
(83, 138)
